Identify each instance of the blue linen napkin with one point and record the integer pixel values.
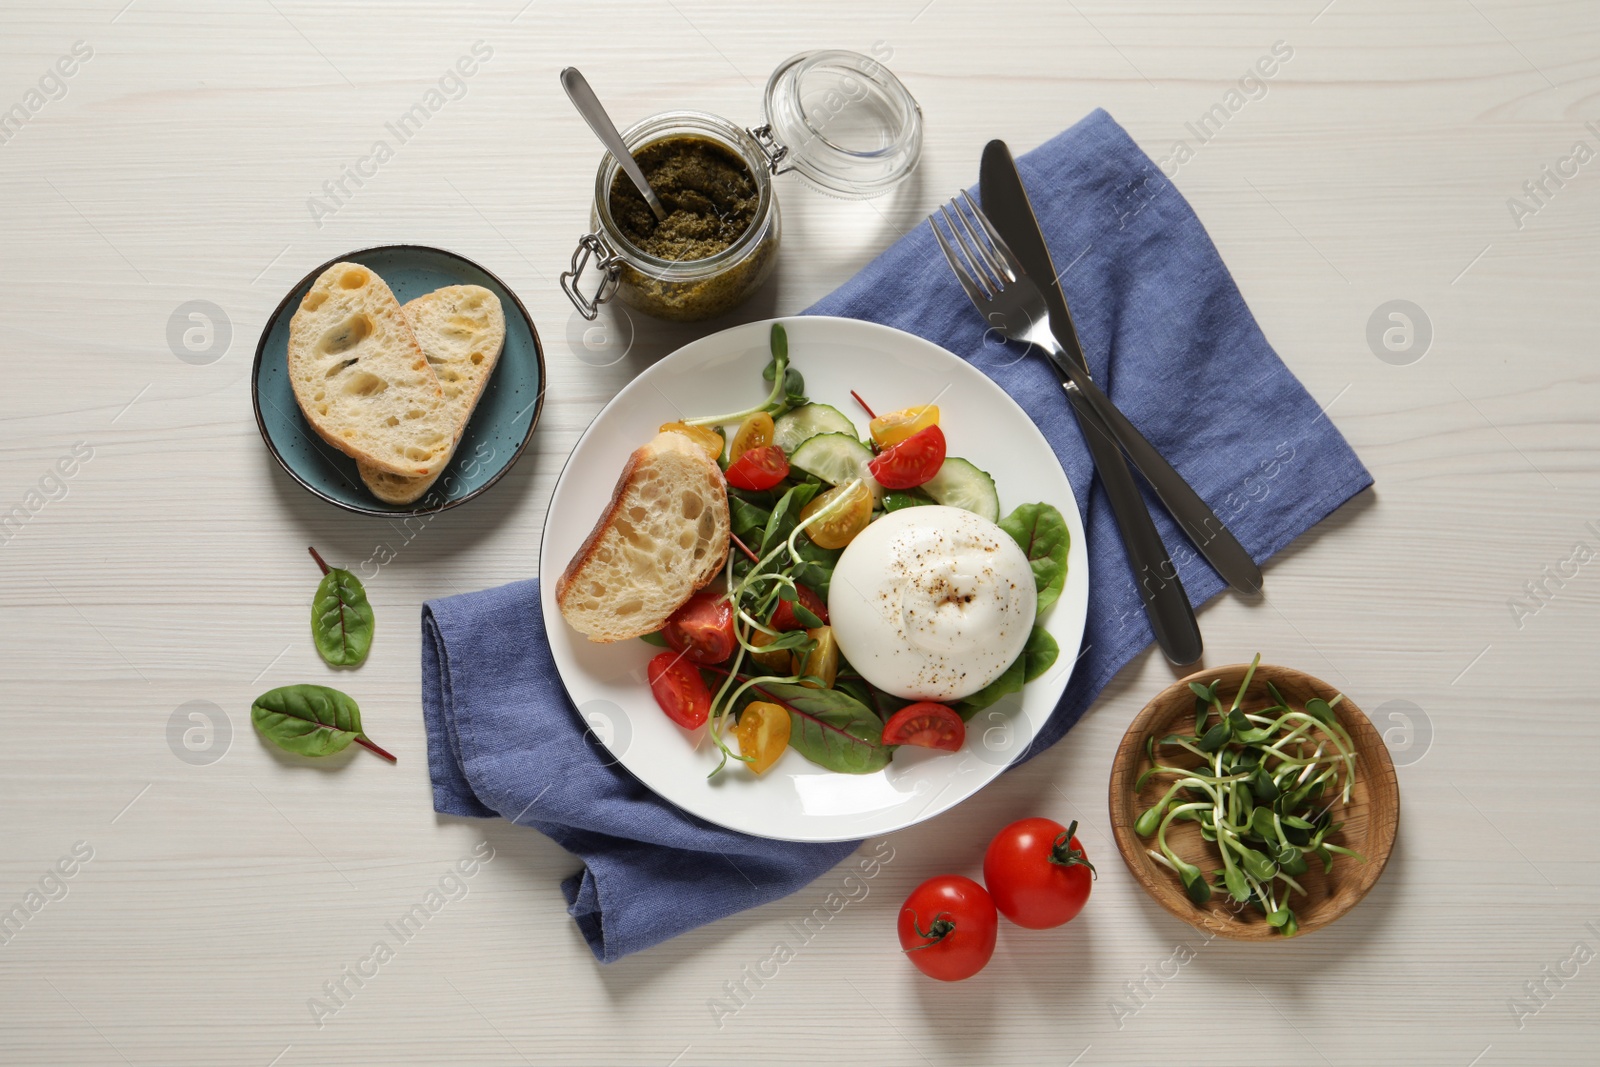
(1166, 334)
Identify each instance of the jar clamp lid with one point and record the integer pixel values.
(842, 121)
(838, 119)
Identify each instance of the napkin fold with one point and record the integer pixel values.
(1167, 334)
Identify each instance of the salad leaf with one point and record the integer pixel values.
(895, 501)
(1008, 683)
(816, 573)
(829, 727)
(1039, 653)
(870, 695)
(747, 519)
(785, 514)
(312, 720)
(654, 639)
(1045, 538)
(341, 618)
(1038, 656)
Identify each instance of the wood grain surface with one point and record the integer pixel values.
(159, 578)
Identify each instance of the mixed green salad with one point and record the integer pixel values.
(756, 652)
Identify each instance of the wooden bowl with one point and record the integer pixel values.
(1370, 818)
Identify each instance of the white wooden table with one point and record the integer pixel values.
(175, 164)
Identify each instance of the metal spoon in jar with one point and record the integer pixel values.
(594, 113)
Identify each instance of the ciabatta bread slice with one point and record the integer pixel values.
(662, 537)
(361, 379)
(461, 329)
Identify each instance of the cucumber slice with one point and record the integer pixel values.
(804, 423)
(836, 458)
(961, 485)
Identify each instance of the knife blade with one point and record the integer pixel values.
(1006, 203)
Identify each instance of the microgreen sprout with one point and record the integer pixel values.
(788, 387)
(1257, 794)
(753, 598)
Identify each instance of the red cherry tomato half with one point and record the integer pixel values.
(760, 468)
(679, 689)
(947, 927)
(702, 629)
(911, 462)
(784, 619)
(926, 725)
(1037, 873)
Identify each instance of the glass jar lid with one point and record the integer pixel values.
(843, 122)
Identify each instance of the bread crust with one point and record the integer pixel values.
(586, 551)
(584, 557)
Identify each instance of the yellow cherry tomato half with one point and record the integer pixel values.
(754, 432)
(772, 661)
(822, 661)
(710, 441)
(763, 734)
(896, 426)
(840, 526)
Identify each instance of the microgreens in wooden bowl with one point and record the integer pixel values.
(1254, 801)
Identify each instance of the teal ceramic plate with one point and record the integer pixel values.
(500, 427)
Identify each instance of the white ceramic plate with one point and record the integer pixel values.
(796, 800)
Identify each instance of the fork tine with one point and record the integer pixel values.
(976, 293)
(1001, 249)
(1001, 269)
(977, 266)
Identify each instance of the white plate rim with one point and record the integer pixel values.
(1066, 620)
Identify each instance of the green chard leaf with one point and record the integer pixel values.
(1038, 656)
(871, 696)
(830, 728)
(785, 514)
(341, 619)
(1044, 537)
(312, 720)
(747, 519)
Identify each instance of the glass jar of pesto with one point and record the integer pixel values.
(839, 120)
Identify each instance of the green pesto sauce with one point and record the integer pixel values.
(709, 194)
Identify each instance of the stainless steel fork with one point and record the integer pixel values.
(1013, 303)
(1020, 301)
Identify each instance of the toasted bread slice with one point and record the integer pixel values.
(360, 376)
(662, 537)
(462, 329)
